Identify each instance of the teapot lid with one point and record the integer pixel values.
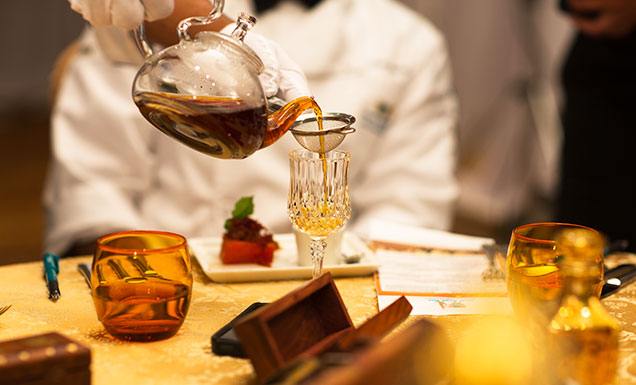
(243, 24)
(233, 42)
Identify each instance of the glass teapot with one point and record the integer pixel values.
(204, 92)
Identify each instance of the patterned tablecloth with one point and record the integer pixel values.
(186, 358)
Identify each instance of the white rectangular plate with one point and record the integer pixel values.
(206, 251)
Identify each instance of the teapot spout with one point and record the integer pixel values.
(279, 122)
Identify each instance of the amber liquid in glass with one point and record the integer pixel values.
(534, 291)
(220, 127)
(320, 221)
(149, 310)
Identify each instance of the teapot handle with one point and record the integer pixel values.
(145, 47)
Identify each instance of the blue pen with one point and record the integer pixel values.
(51, 269)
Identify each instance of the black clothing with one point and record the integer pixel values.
(598, 165)
(265, 5)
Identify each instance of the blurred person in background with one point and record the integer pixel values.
(598, 180)
(505, 56)
(374, 59)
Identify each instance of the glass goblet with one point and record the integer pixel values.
(141, 284)
(534, 281)
(318, 201)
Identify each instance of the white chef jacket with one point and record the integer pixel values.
(374, 59)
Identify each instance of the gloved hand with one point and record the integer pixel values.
(126, 14)
(281, 76)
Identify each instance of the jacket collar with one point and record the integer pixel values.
(314, 38)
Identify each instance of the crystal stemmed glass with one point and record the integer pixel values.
(318, 202)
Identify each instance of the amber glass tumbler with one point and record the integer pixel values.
(141, 284)
(532, 266)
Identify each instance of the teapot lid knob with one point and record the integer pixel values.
(244, 23)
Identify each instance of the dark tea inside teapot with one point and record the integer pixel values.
(218, 126)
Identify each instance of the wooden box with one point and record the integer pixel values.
(304, 323)
(421, 354)
(50, 359)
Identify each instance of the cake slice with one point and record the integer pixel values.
(245, 239)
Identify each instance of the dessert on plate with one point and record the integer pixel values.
(246, 240)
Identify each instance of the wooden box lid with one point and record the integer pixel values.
(422, 354)
(44, 359)
(306, 322)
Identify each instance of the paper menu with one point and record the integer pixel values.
(382, 231)
(445, 306)
(439, 283)
(439, 272)
(435, 273)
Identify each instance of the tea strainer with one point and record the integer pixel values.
(336, 126)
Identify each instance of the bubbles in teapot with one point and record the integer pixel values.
(221, 127)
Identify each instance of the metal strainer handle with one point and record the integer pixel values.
(347, 130)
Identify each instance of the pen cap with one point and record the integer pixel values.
(51, 265)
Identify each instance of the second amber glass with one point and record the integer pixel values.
(141, 284)
(534, 281)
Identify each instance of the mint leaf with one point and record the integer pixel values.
(243, 208)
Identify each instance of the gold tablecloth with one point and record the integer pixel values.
(187, 358)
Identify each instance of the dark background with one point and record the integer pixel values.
(32, 34)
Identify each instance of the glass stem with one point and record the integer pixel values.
(317, 250)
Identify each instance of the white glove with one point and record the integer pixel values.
(126, 14)
(281, 76)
